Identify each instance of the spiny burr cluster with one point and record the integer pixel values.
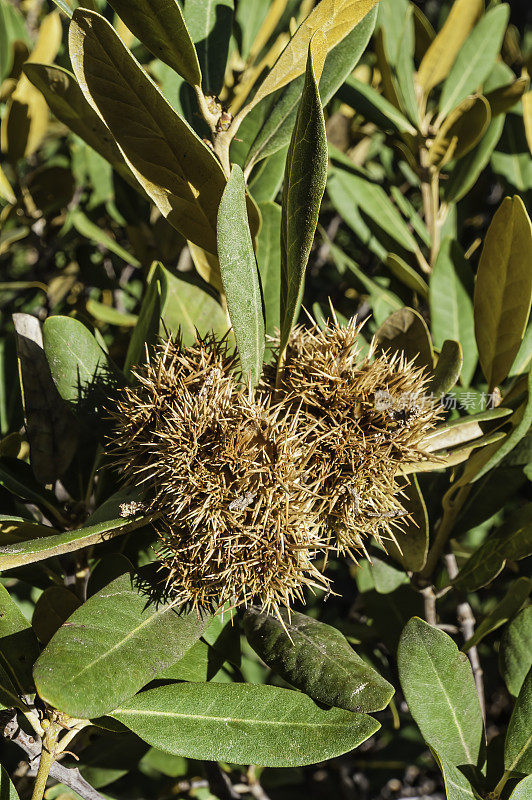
(254, 488)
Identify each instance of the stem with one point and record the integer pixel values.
(450, 513)
(429, 603)
(46, 760)
(502, 783)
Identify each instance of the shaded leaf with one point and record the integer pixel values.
(269, 264)
(176, 169)
(515, 655)
(462, 130)
(374, 107)
(18, 651)
(406, 331)
(503, 290)
(467, 170)
(440, 691)
(448, 367)
(412, 538)
(518, 743)
(503, 611)
(511, 541)
(117, 641)
(504, 98)
(7, 790)
(406, 274)
(53, 607)
(463, 429)
(159, 24)
(51, 429)
(240, 277)
(243, 723)
(317, 659)
(210, 23)
(451, 303)
(304, 185)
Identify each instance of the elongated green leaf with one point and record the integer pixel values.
(518, 743)
(407, 275)
(451, 300)
(269, 263)
(17, 529)
(243, 723)
(511, 541)
(317, 659)
(175, 168)
(304, 185)
(23, 553)
(159, 24)
(7, 790)
(440, 57)
(457, 786)
(467, 170)
(503, 611)
(373, 201)
(94, 233)
(267, 179)
(440, 691)
(515, 655)
(67, 103)
(404, 66)
(210, 23)
(411, 539)
(476, 58)
(50, 426)
(503, 290)
(110, 314)
(332, 18)
(448, 368)
(463, 429)
(111, 646)
(276, 125)
(388, 302)
(18, 651)
(240, 277)
(374, 107)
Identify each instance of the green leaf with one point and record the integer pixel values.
(411, 543)
(240, 277)
(511, 159)
(51, 428)
(159, 24)
(210, 23)
(53, 607)
(448, 368)
(18, 529)
(304, 185)
(405, 330)
(317, 659)
(269, 263)
(518, 743)
(468, 169)
(67, 103)
(18, 651)
(503, 611)
(175, 168)
(438, 685)
(17, 477)
(116, 642)
(475, 59)
(407, 275)
(110, 315)
(82, 372)
(515, 655)
(277, 123)
(440, 57)
(7, 790)
(503, 290)
(243, 724)
(374, 202)
(374, 107)
(523, 790)
(512, 541)
(404, 66)
(331, 19)
(457, 786)
(267, 179)
(451, 303)
(95, 234)
(23, 553)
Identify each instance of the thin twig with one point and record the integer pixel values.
(219, 783)
(429, 601)
(466, 621)
(10, 729)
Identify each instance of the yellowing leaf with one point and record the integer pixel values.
(26, 119)
(175, 168)
(439, 58)
(333, 18)
(527, 118)
(461, 131)
(503, 290)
